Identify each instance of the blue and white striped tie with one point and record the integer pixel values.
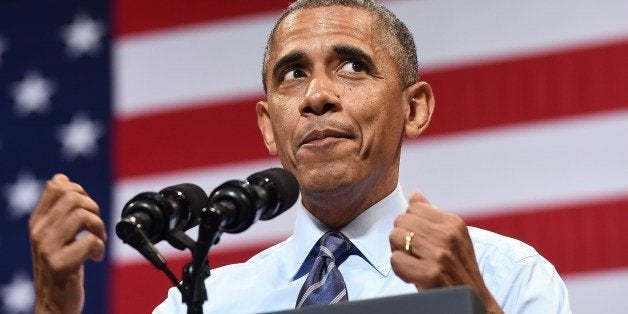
(324, 283)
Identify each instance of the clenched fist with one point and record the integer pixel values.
(64, 210)
(432, 248)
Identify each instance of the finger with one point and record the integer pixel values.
(429, 212)
(406, 267)
(68, 202)
(411, 222)
(420, 225)
(55, 187)
(395, 238)
(421, 245)
(88, 246)
(54, 238)
(71, 257)
(79, 220)
(418, 197)
(422, 273)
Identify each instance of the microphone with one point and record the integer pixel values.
(233, 207)
(264, 195)
(157, 215)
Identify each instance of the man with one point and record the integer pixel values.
(342, 91)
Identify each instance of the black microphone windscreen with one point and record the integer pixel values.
(191, 193)
(286, 184)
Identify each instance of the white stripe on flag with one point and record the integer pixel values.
(210, 62)
(599, 292)
(523, 166)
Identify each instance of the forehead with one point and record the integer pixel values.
(312, 28)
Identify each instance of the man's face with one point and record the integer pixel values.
(335, 108)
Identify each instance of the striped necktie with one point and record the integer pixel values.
(324, 283)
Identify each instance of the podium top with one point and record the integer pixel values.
(456, 300)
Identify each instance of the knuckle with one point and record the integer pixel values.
(94, 245)
(393, 235)
(59, 177)
(90, 240)
(443, 256)
(52, 262)
(56, 182)
(78, 187)
(36, 239)
(451, 238)
(434, 273)
(71, 197)
(52, 185)
(398, 221)
(94, 207)
(97, 244)
(395, 260)
(455, 231)
(457, 222)
(93, 221)
(83, 218)
(412, 209)
(37, 236)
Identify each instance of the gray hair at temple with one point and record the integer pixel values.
(403, 51)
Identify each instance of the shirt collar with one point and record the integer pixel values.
(369, 232)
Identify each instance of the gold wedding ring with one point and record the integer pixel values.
(409, 237)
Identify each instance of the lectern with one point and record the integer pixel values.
(456, 300)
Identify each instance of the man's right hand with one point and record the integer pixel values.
(63, 211)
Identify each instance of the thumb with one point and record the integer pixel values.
(418, 197)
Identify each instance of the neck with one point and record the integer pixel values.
(339, 207)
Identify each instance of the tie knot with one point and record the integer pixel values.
(334, 244)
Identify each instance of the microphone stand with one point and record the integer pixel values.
(194, 273)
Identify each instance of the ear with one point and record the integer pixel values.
(263, 122)
(420, 106)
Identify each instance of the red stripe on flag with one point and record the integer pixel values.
(148, 287)
(145, 15)
(576, 238)
(205, 135)
(536, 88)
(547, 86)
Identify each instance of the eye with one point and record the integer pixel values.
(293, 74)
(353, 66)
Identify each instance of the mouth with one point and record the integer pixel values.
(320, 137)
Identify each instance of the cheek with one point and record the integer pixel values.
(284, 119)
(381, 121)
(379, 114)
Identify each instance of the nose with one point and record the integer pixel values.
(320, 97)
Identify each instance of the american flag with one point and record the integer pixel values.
(55, 113)
(529, 138)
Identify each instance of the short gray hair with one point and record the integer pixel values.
(403, 51)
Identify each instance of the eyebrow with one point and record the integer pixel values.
(287, 59)
(352, 51)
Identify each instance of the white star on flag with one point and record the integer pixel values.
(79, 137)
(32, 94)
(22, 196)
(18, 296)
(83, 35)
(3, 48)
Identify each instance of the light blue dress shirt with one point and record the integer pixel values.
(519, 278)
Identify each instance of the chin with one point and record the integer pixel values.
(326, 178)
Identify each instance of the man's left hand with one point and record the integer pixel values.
(440, 253)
